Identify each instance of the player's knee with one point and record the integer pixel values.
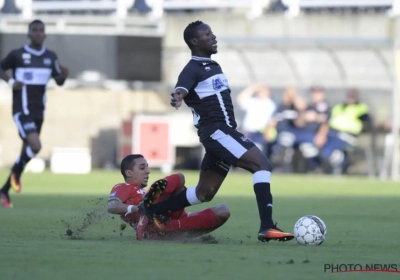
(337, 157)
(206, 196)
(222, 213)
(34, 143)
(265, 165)
(308, 150)
(206, 189)
(36, 147)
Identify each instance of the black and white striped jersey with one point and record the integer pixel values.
(209, 95)
(33, 68)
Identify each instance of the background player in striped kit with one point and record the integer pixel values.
(32, 66)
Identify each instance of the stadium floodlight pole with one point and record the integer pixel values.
(396, 114)
(121, 9)
(293, 10)
(256, 9)
(26, 7)
(394, 14)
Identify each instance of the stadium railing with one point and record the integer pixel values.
(294, 7)
(122, 7)
(340, 3)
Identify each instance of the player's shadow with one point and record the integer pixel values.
(104, 149)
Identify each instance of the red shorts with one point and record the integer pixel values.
(202, 221)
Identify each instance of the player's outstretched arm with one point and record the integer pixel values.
(119, 208)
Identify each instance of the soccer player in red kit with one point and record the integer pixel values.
(125, 198)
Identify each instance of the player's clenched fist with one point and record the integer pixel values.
(64, 71)
(176, 98)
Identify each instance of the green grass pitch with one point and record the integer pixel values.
(362, 217)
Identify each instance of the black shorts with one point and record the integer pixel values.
(224, 146)
(27, 124)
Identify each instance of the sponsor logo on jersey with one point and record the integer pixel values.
(28, 76)
(26, 56)
(218, 83)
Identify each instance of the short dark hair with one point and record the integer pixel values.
(129, 162)
(190, 32)
(36, 21)
(316, 88)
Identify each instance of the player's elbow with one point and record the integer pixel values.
(112, 208)
(222, 213)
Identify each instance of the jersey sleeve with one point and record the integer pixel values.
(120, 194)
(186, 79)
(174, 183)
(9, 62)
(55, 68)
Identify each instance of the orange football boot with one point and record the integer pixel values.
(5, 200)
(274, 233)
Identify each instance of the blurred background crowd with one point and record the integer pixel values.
(321, 135)
(314, 81)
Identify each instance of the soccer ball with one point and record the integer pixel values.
(310, 230)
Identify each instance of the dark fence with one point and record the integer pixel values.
(128, 58)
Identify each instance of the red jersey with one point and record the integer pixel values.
(132, 194)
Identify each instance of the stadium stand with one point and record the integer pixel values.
(294, 7)
(255, 8)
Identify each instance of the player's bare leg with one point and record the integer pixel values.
(257, 163)
(209, 183)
